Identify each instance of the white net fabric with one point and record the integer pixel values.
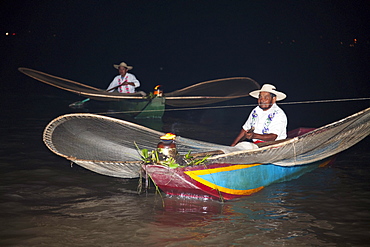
(211, 92)
(107, 145)
(78, 88)
(202, 93)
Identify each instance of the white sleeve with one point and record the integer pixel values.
(113, 84)
(134, 80)
(247, 125)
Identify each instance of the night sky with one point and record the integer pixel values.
(309, 49)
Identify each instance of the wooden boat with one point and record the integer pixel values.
(224, 181)
(141, 108)
(141, 105)
(227, 181)
(243, 177)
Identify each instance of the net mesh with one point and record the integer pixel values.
(78, 88)
(198, 94)
(109, 146)
(212, 92)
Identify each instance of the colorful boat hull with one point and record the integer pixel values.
(224, 181)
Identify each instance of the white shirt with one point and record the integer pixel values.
(118, 80)
(272, 121)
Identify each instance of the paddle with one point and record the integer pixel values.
(79, 104)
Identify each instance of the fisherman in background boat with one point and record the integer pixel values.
(127, 81)
(266, 122)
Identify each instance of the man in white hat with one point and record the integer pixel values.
(266, 122)
(127, 81)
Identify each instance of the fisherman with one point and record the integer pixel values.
(266, 122)
(127, 81)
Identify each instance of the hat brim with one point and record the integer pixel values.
(127, 67)
(279, 95)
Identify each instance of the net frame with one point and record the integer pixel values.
(109, 146)
(202, 93)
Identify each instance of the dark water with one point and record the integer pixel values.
(47, 202)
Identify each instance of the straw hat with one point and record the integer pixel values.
(123, 64)
(270, 89)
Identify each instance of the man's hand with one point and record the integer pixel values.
(241, 136)
(249, 134)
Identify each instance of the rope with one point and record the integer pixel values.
(322, 101)
(240, 106)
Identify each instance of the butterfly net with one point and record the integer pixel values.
(202, 93)
(110, 146)
(212, 92)
(78, 88)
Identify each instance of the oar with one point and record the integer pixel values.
(79, 104)
(157, 92)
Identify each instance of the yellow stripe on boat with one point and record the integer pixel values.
(195, 175)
